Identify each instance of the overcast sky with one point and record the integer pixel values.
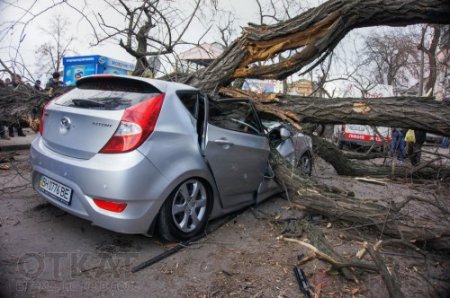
(20, 12)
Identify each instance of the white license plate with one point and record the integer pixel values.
(56, 189)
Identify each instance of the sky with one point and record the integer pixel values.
(21, 41)
(21, 14)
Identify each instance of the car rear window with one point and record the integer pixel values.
(107, 94)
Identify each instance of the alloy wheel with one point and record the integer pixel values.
(189, 205)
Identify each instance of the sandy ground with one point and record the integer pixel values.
(45, 252)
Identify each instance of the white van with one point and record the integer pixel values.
(363, 135)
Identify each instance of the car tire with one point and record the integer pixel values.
(305, 164)
(186, 211)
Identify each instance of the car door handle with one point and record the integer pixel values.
(224, 142)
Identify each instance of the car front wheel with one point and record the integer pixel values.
(186, 211)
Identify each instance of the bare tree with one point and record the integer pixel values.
(394, 55)
(151, 28)
(13, 31)
(273, 11)
(443, 57)
(227, 29)
(430, 51)
(49, 54)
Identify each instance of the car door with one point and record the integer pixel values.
(236, 150)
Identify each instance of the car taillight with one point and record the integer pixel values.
(41, 125)
(137, 123)
(110, 206)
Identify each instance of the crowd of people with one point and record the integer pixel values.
(16, 83)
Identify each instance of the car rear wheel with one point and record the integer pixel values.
(305, 164)
(186, 211)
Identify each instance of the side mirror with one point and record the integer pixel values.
(284, 133)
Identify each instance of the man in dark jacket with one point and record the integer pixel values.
(54, 82)
(420, 136)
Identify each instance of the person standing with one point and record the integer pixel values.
(54, 82)
(420, 136)
(398, 143)
(37, 85)
(16, 84)
(8, 82)
(3, 135)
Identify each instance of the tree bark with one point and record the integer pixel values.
(344, 166)
(314, 33)
(409, 112)
(431, 52)
(406, 112)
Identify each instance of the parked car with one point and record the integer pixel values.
(361, 135)
(294, 146)
(133, 155)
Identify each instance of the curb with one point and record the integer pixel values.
(15, 147)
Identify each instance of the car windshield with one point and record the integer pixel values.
(107, 94)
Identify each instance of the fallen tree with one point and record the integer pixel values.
(388, 218)
(344, 166)
(314, 34)
(407, 112)
(420, 113)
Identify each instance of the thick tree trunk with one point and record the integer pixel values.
(315, 33)
(431, 52)
(409, 112)
(406, 112)
(344, 166)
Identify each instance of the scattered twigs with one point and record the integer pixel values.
(392, 284)
(436, 153)
(393, 220)
(371, 181)
(333, 262)
(400, 242)
(7, 156)
(424, 165)
(439, 205)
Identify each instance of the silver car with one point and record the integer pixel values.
(293, 145)
(133, 155)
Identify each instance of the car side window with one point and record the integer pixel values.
(190, 101)
(234, 115)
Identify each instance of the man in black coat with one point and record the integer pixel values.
(420, 136)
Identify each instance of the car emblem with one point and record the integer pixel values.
(65, 122)
(64, 125)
